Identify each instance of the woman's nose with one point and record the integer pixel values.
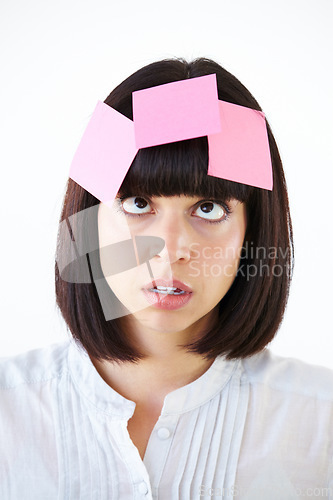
(177, 234)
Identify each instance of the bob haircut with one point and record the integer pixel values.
(252, 310)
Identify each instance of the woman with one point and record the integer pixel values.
(172, 288)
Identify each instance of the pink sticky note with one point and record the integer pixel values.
(240, 152)
(105, 153)
(176, 111)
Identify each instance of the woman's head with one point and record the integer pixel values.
(252, 308)
(179, 292)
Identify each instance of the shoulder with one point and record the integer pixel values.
(289, 375)
(33, 367)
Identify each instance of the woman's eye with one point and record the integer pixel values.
(136, 205)
(211, 210)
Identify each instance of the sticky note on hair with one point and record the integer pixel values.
(240, 152)
(176, 111)
(105, 153)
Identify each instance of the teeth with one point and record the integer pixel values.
(167, 290)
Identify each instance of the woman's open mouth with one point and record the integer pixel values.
(165, 294)
(167, 290)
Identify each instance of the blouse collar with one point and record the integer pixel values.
(100, 396)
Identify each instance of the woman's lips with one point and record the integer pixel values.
(167, 294)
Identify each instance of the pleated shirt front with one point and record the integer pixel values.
(264, 424)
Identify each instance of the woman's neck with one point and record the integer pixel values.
(166, 366)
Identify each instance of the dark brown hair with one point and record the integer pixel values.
(252, 310)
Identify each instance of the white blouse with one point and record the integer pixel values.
(260, 428)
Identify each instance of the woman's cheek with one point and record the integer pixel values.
(215, 261)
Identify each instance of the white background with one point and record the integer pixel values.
(58, 58)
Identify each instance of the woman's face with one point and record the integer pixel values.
(203, 240)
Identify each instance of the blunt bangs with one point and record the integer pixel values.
(179, 168)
